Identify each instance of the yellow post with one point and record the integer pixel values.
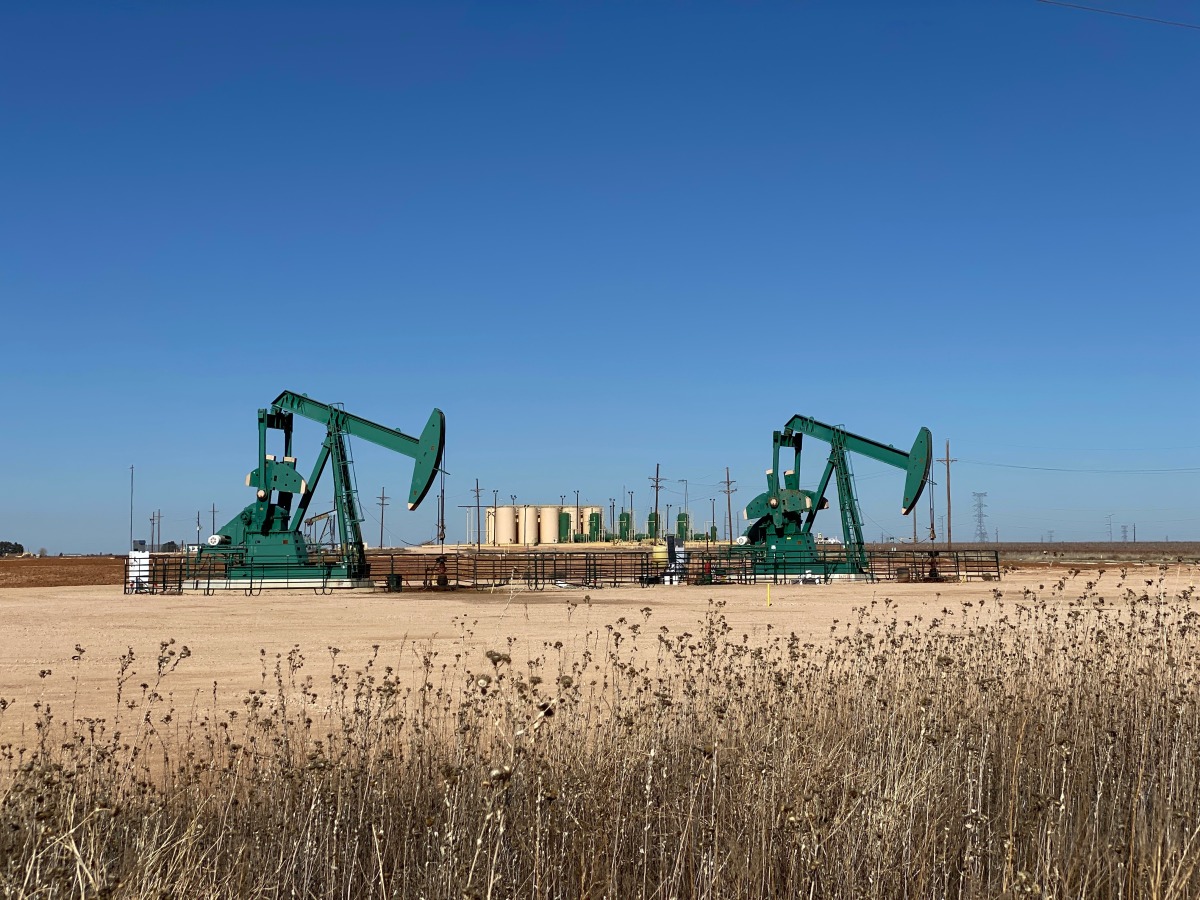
(768, 595)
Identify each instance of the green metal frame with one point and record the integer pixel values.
(782, 516)
(265, 541)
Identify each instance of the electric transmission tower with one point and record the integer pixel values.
(981, 535)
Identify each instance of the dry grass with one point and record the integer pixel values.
(1040, 749)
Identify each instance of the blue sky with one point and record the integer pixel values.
(600, 236)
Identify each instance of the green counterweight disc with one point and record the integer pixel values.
(919, 460)
(428, 458)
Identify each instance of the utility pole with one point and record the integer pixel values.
(495, 515)
(1124, 534)
(131, 507)
(478, 523)
(728, 492)
(441, 523)
(949, 520)
(382, 503)
(612, 516)
(214, 518)
(632, 520)
(578, 523)
(1135, 532)
(1109, 518)
(197, 528)
(657, 480)
(687, 518)
(151, 532)
(713, 523)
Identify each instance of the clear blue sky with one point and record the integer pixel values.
(600, 236)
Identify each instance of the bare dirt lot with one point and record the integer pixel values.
(58, 571)
(63, 571)
(62, 645)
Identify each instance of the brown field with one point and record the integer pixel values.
(233, 639)
(60, 571)
(56, 605)
(1034, 737)
(66, 571)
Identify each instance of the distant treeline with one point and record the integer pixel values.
(8, 548)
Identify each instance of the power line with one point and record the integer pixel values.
(1108, 449)
(1185, 469)
(1123, 15)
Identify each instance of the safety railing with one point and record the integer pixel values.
(548, 570)
(155, 575)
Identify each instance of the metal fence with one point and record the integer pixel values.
(536, 571)
(482, 570)
(158, 574)
(542, 570)
(935, 565)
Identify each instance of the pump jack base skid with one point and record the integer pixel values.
(294, 583)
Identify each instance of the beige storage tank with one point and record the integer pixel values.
(506, 525)
(585, 524)
(570, 511)
(548, 524)
(489, 522)
(527, 525)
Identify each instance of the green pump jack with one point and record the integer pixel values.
(780, 534)
(264, 546)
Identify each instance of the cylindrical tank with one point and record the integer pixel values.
(506, 525)
(490, 525)
(595, 524)
(548, 525)
(572, 514)
(564, 527)
(625, 525)
(652, 529)
(527, 525)
(581, 527)
(682, 525)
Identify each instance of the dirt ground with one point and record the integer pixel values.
(56, 571)
(62, 571)
(229, 634)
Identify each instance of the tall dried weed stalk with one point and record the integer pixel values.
(1039, 747)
